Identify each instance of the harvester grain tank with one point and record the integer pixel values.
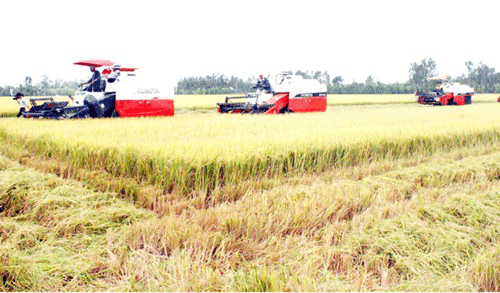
(445, 93)
(122, 94)
(289, 93)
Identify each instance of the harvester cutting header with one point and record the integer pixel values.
(284, 93)
(115, 91)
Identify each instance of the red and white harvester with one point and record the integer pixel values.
(289, 93)
(122, 94)
(445, 93)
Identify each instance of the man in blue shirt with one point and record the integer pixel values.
(94, 81)
(263, 85)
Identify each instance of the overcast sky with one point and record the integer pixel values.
(175, 39)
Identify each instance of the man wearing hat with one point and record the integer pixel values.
(23, 105)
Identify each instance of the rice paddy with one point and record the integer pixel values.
(377, 193)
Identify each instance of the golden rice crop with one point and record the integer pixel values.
(336, 100)
(198, 102)
(186, 103)
(8, 107)
(209, 151)
(366, 197)
(324, 235)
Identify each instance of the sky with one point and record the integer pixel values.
(170, 40)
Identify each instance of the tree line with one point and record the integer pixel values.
(481, 77)
(45, 87)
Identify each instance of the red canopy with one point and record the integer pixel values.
(128, 69)
(96, 63)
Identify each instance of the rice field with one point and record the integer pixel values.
(377, 193)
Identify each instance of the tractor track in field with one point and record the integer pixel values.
(343, 218)
(374, 190)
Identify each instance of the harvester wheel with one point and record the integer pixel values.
(284, 110)
(93, 105)
(468, 100)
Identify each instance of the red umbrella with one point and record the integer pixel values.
(95, 63)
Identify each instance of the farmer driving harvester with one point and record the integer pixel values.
(263, 85)
(285, 93)
(438, 84)
(263, 89)
(94, 81)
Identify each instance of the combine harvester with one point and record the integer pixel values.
(122, 94)
(289, 93)
(446, 94)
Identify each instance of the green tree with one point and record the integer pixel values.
(421, 72)
(369, 85)
(305, 74)
(482, 78)
(28, 89)
(337, 80)
(213, 84)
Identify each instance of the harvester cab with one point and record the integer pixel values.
(120, 94)
(289, 93)
(445, 93)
